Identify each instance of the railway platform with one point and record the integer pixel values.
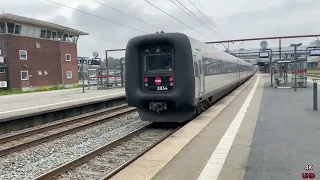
(43, 106)
(255, 133)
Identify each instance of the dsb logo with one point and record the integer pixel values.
(308, 175)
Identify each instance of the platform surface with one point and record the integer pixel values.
(20, 104)
(276, 134)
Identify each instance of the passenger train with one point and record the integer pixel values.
(171, 77)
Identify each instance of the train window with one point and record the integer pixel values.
(158, 62)
(196, 70)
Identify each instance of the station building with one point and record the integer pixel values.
(36, 53)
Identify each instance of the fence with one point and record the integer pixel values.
(110, 77)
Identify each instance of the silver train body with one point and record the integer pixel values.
(196, 76)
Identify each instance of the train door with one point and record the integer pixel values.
(201, 76)
(201, 73)
(197, 76)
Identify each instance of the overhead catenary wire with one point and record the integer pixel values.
(157, 27)
(205, 16)
(208, 20)
(201, 22)
(98, 17)
(176, 19)
(197, 19)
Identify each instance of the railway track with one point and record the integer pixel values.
(40, 135)
(111, 158)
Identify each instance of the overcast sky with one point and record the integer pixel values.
(235, 18)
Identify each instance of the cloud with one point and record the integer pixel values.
(293, 17)
(236, 19)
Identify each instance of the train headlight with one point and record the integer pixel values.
(171, 83)
(146, 84)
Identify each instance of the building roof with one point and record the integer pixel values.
(36, 22)
(283, 49)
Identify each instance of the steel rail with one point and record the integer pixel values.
(124, 109)
(55, 173)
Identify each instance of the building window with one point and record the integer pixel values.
(10, 27)
(13, 28)
(43, 33)
(3, 28)
(48, 36)
(76, 39)
(68, 57)
(17, 29)
(23, 54)
(71, 38)
(65, 37)
(69, 74)
(59, 36)
(2, 70)
(24, 75)
(54, 35)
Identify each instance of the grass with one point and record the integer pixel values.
(313, 72)
(4, 92)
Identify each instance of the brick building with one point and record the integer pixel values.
(36, 53)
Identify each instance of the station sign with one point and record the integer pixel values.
(264, 54)
(3, 84)
(314, 52)
(93, 61)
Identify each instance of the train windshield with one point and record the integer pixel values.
(158, 62)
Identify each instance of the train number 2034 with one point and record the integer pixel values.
(162, 88)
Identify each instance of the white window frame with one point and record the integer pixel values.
(4, 70)
(67, 74)
(27, 75)
(26, 55)
(66, 57)
(14, 29)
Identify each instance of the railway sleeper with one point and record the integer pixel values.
(107, 165)
(91, 173)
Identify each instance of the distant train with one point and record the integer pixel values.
(171, 77)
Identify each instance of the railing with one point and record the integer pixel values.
(110, 77)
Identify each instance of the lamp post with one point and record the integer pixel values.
(264, 45)
(295, 64)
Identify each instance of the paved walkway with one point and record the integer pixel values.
(20, 104)
(277, 135)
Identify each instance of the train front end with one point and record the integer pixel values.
(157, 77)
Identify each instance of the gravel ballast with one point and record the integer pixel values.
(34, 161)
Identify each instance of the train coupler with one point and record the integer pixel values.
(158, 106)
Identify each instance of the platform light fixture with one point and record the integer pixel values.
(295, 45)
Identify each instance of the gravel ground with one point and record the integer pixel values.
(34, 161)
(56, 130)
(56, 122)
(114, 158)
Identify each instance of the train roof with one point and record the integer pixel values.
(183, 38)
(217, 52)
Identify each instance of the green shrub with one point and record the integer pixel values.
(42, 89)
(77, 86)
